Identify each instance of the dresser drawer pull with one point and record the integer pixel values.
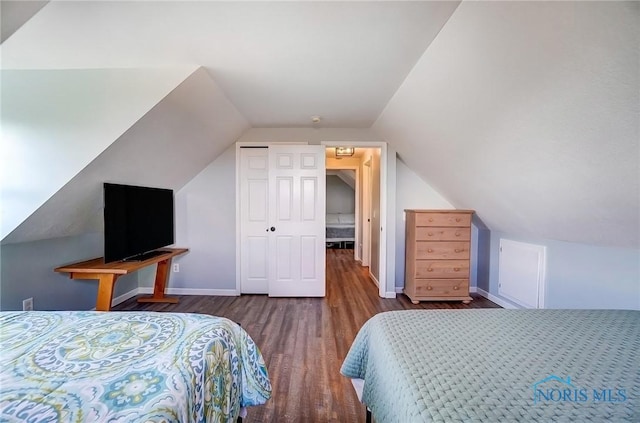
(430, 234)
(429, 250)
(457, 250)
(456, 269)
(455, 288)
(429, 270)
(457, 233)
(429, 288)
(457, 219)
(431, 219)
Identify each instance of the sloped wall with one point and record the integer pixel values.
(166, 148)
(55, 122)
(527, 112)
(171, 144)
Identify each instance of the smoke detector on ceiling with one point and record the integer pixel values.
(315, 119)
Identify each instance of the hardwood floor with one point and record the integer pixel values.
(305, 340)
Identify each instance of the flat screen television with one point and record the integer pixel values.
(137, 221)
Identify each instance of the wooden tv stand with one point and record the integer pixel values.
(107, 274)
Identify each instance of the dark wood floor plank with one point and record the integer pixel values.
(305, 340)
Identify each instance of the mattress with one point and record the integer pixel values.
(499, 365)
(127, 367)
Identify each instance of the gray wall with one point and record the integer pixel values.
(341, 198)
(27, 271)
(411, 193)
(206, 224)
(206, 213)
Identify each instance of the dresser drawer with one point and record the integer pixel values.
(443, 219)
(442, 269)
(441, 287)
(434, 250)
(442, 234)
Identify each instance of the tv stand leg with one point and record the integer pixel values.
(106, 282)
(162, 277)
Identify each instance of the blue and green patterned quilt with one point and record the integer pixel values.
(126, 367)
(499, 365)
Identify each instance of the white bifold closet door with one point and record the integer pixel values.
(283, 220)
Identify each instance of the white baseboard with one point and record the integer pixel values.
(502, 303)
(192, 291)
(175, 291)
(124, 297)
(233, 293)
(475, 290)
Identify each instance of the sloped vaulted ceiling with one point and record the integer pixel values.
(55, 122)
(277, 62)
(529, 113)
(166, 148)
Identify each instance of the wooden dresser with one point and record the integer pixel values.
(438, 246)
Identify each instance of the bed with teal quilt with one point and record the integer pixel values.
(127, 367)
(498, 365)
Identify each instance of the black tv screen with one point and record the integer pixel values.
(137, 220)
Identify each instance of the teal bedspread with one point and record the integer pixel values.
(499, 365)
(126, 367)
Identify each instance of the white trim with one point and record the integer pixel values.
(124, 297)
(358, 213)
(192, 291)
(238, 217)
(391, 294)
(501, 302)
(173, 291)
(386, 262)
(373, 278)
(475, 290)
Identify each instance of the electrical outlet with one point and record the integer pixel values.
(27, 305)
(176, 267)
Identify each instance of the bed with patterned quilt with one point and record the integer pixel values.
(498, 365)
(127, 367)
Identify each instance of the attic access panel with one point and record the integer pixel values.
(521, 276)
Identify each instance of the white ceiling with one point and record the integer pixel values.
(278, 62)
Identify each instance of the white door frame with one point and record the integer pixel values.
(387, 208)
(387, 213)
(358, 234)
(366, 212)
